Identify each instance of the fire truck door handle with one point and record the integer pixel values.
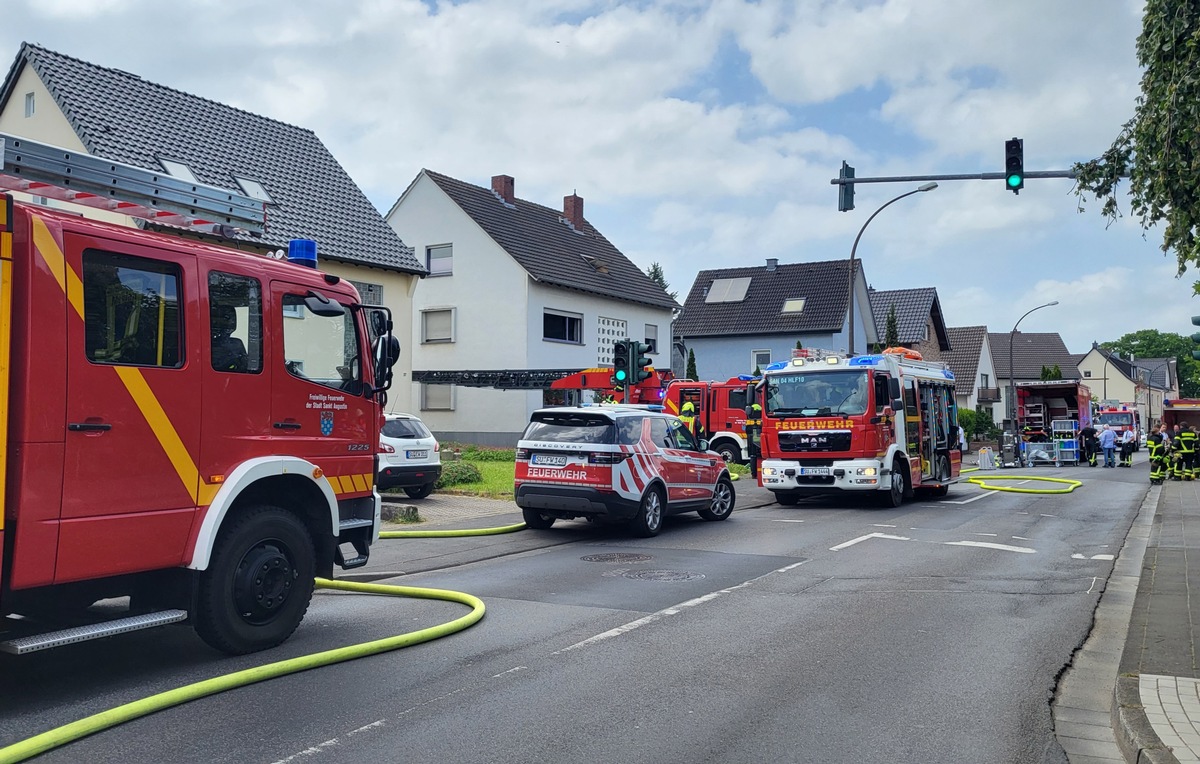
(287, 425)
(83, 426)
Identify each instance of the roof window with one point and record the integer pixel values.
(793, 305)
(178, 170)
(253, 189)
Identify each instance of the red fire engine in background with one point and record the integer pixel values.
(170, 437)
(883, 424)
(721, 409)
(1120, 419)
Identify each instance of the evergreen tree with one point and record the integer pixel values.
(690, 372)
(655, 272)
(891, 333)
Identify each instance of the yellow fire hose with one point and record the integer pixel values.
(67, 733)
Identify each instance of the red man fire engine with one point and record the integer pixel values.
(882, 424)
(1121, 418)
(170, 437)
(721, 409)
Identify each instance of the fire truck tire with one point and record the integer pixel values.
(258, 586)
(729, 451)
(536, 520)
(649, 519)
(787, 498)
(722, 503)
(897, 486)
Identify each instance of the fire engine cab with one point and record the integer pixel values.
(882, 424)
(168, 441)
(721, 409)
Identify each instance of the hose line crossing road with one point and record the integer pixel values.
(825, 631)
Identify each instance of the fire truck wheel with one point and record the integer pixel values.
(258, 584)
(722, 503)
(537, 520)
(729, 452)
(649, 519)
(894, 496)
(943, 468)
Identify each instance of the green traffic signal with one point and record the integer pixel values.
(1015, 181)
(621, 352)
(621, 375)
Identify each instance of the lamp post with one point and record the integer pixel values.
(854, 249)
(1012, 381)
(1150, 391)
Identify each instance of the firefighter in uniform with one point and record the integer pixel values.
(1157, 445)
(1187, 450)
(687, 415)
(1127, 438)
(754, 436)
(1091, 445)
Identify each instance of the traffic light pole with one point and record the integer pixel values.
(850, 181)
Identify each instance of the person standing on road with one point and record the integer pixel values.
(1108, 443)
(1157, 445)
(1091, 446)
(1127, 438)
(1187, 449)
(687, 415)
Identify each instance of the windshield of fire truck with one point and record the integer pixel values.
(817, 393)
(1116, 419)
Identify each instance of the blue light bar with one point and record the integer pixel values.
(777, 366)
(865, 360)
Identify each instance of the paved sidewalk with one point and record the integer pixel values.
(1157, 701)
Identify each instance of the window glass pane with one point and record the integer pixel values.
(235, 321)
(438, 325)
(406, 429)
(437, 397)
(131, 310)
(322, 349)
(762, 358)
(439, 260)
(562, 326)
(652, 337)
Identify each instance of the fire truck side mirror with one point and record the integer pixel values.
(323, 306)
(894, 389)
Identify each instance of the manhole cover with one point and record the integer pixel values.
(616, 557)
(662, 575)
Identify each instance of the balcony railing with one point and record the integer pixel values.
(988, 395)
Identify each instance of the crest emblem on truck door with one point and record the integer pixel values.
(326, 422)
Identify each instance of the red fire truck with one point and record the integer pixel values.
(883, 424)
(172, 443)
(648, 391)
(1120, 419)
(721, 408)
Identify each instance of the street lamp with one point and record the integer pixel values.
(1012, 382)
(853, 249)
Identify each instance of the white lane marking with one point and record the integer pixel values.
(673, 610)
(881, 525)
(982, 495)
(789, 521)
(989, 545)
(1049, 515)
(1103, 557)
(985, 534)
(852, 542)
(1020, 538)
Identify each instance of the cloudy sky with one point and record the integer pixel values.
(703, 134)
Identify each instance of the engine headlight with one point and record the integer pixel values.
(770, 471)
(866, 471)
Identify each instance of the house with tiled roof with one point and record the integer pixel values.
(970, 358)
(736, 320)
(513, 285)
(55, 99)
(1030, 352)
(919, 321)
(1140, 383)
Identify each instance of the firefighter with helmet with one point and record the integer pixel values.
(687, 415)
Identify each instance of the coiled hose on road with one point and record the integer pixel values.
(67, 733)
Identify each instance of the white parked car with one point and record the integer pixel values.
(409, 456)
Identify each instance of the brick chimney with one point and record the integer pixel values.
(573, 210)
(504, 186)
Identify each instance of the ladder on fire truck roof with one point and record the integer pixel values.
(56, 173)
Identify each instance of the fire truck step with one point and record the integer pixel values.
(22, 645)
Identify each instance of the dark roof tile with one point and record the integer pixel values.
(966, 346)
(1030, 352)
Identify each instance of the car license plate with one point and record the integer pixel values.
(422, 454)
(815, 471)
(545, 460)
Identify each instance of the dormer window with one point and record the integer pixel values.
(793, 305)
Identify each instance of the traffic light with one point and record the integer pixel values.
(1014, 165)
(1196, 337)
(845, 190)
(638, 351)
(620, 377)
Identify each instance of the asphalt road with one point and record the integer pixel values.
(823, 632)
